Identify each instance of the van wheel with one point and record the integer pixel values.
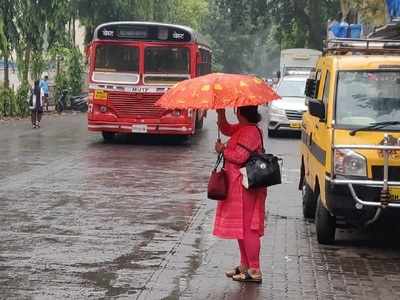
(108, 136)
(309, 201)
(325, 224)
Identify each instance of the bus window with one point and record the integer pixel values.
(115, 63)
(204, 65)
(166, 65)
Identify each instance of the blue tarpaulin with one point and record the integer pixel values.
(393, 7)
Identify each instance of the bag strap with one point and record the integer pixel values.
(219, 159)
(262, 142)
(262, 139)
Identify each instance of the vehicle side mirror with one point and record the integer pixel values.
(311, 88)
(316, 108)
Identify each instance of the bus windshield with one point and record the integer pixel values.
(116, 63)
(368, 97)
(166, 65)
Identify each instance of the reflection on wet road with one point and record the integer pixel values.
(83, 218)
(130, 220)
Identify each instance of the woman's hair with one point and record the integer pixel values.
(36, 87)
(250, 113)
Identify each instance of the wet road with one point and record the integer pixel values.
(81, 219)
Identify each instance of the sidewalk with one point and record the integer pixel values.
(294, 265)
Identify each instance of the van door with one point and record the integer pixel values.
(320, 143)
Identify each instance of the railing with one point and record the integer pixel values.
(363, 46)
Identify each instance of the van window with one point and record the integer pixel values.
(367, 97)
(326, 88)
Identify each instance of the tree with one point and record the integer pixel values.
(7, 34)
(371, 12)
(302, 22)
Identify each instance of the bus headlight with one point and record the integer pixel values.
(350, 163)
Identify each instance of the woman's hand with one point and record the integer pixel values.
(219, 147)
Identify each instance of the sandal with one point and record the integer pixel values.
(235, 271)
(246, 277)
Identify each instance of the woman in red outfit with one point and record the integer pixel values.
(241, 215)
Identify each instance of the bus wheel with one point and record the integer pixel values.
(108, 136)
(325, 224)
(309, 203)
(199, 123)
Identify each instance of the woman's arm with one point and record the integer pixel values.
(223, 125)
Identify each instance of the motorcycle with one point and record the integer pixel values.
(74, 103)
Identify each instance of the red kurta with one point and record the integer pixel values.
(229, 215)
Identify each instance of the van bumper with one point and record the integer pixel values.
(340, 202)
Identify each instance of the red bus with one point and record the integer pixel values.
(131, 64)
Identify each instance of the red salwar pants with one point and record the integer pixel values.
(250, 244)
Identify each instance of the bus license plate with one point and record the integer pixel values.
(395, 194)
(139, 128)
(295, 125)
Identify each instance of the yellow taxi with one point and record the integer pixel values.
(350, 150)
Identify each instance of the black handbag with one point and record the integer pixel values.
(261, 169)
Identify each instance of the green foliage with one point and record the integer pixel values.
(240, 36)
(14, 104)
(7, 100)
(245, 35)
(38, 65)
(75, 71)
(302, 23)
(70, 70)
(21, 100)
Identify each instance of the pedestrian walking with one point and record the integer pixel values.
(36, 104)
(44, 85)
(241, 215)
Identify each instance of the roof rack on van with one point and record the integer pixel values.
(361, 46)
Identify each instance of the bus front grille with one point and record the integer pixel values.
(135, 105)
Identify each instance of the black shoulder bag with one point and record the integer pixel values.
(261, 169)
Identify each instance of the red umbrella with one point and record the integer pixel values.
(216, 91)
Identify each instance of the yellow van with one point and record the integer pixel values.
(350, 150)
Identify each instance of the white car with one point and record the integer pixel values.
(287, 113)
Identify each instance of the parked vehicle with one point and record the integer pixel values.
(75, 103)
(298, 61)
(287, 113)
(350, 151)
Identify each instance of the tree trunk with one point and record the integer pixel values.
(27, 63)
(345, 7)
(316, 26)
(74, 30)
(6, 72)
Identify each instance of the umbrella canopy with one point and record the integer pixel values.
(216, 91)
